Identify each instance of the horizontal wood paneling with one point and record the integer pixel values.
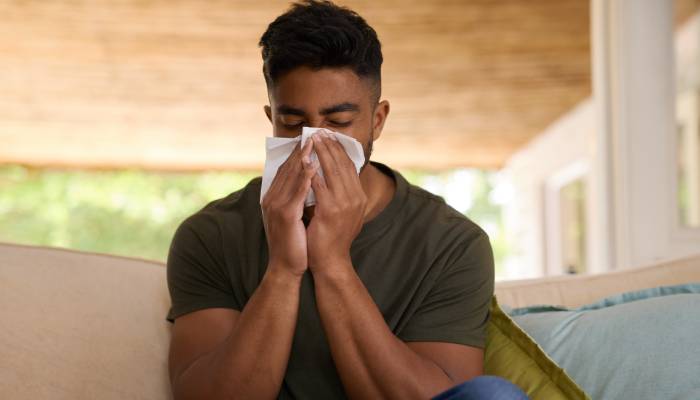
(177, 84)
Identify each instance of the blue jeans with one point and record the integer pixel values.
(484, 387)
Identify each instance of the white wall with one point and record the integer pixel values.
(567, 144)
(623, 140)
(638, 84)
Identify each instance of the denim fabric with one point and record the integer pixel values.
(484, 387)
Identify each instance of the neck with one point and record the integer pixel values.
(379, 189)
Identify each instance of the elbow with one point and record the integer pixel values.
(230, 390)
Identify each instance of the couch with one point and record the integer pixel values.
(79, 325)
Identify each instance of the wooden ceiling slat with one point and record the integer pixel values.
(177, 84)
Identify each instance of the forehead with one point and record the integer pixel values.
(308, 88)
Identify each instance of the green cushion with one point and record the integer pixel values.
(510, 353)
(637, 345)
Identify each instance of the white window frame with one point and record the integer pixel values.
(553, 234)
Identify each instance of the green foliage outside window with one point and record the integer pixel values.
(135, 213)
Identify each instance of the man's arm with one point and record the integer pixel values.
(221, 353)
(371, 360)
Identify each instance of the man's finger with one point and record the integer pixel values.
(306, 151)
(290, 162)
(292, 167)
(328, 163)
(318, 184)
(346, 167)
(303, 183)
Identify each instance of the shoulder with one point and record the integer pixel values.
(241, 200)
(453, 240)
(200, 273)
(234, 210)
(439, 219)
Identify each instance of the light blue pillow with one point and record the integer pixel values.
(637, 345)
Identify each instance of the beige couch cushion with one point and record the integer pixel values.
(574, 291)
(81, 326)
(90, 326)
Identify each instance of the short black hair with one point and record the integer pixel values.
(320, 34)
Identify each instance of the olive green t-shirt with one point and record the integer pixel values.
(428, 268)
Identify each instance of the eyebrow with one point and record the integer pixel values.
(290, 111)
(342, 107)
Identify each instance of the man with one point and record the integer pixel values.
(380, 290)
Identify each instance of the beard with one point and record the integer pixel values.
(367, 150)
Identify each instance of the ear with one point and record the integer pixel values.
(268, 112)
(381, 111)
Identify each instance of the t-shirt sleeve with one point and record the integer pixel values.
(196, 272)
(456, 309)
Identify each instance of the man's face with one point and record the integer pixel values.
(332, 98)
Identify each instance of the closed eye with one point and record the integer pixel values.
(293, 126)
(340, 123)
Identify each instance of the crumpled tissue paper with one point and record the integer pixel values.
(278, 149)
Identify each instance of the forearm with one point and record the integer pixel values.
(371, 360)
(251, 362)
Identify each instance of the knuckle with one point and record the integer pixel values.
(286, 214)
(274, 210)
(269, 211)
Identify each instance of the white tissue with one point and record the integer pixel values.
(277, 150)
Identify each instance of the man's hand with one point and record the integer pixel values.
(340, 206)
(282, 208)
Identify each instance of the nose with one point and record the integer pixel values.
(318, 122)
(315, 122)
